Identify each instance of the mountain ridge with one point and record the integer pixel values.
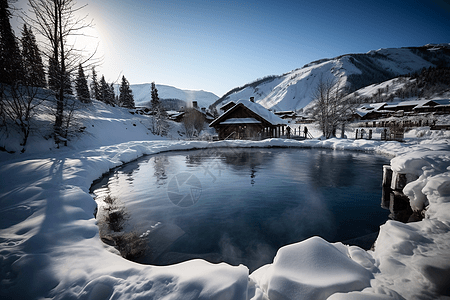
(293, 90)
(142, 94)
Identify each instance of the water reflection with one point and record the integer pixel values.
(245, 160)
(160, 163)
(215, 161)
(334, 169)
(253, 201)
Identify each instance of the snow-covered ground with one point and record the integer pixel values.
(51, 249)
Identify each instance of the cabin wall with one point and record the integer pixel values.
(240, 131)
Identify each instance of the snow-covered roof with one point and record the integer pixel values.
(285, 112)
(256, 108)
(442, 102)
(240, 121)
(415, 103)
(366, 108)
(172, 112)
(177, 114)
(262, 112)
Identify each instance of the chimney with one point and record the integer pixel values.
(252, 99)
(194, 104)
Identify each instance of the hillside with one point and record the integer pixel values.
(96, 124)
(431, 83)
(142, 94)
(293, 90)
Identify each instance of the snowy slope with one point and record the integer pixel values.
(392, 85)
(142, 93)
(294, 90)
(96, 124)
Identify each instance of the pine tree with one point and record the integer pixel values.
(103, 90)
(68, 90)
(111, 95)
(95, 89)
(126, 98)
(32, 62)
(155, 98)
(159, 122)
(106, 92)
(10, 59)
(81, 86)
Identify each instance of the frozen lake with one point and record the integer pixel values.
(240, 205)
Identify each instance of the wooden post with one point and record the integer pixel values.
(399, 181)
(387, 175)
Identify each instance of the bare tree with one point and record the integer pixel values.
(19, 105)
(193, 122)
(188, 124)
(332, 106)
(56, 21)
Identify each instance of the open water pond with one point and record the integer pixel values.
(240, 205)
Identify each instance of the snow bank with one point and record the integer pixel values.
(50, 246)
(420, 166)
(312, 269)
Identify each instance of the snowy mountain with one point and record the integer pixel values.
(142, 94)
(294, 90)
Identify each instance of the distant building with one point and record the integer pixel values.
(194, 112)
(246, 119)
(287, 115)
(375, 111)
(369, 112)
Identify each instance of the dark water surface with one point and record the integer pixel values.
(241, 205)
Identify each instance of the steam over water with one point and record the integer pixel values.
(241, 205)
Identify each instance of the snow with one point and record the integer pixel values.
(393, 85)
(263, 112)
(320, 271)
(51, 249)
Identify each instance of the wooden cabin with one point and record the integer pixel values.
(248, 120)
(193, 112)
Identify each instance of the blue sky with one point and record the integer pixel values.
(219, 45)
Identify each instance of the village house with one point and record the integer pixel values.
(286, 115)
(195, 111)
(375, 111)
(248, 120)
